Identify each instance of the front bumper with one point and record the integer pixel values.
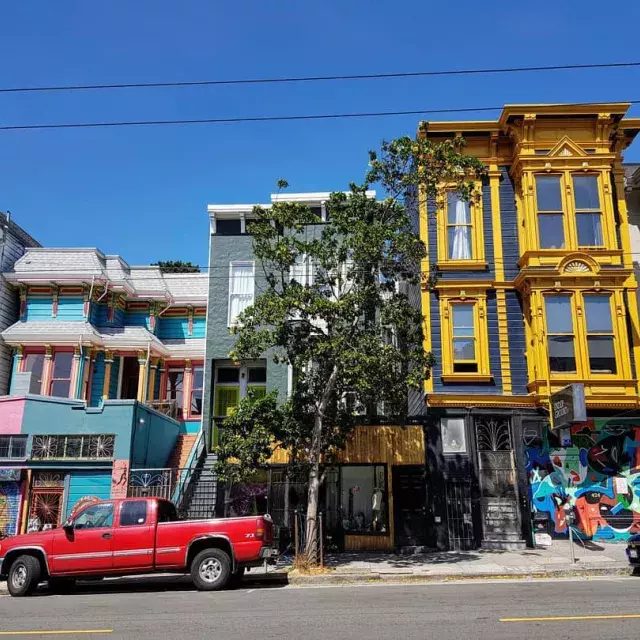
(633, 554)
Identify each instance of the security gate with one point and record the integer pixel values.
(460, 515)
(499, 499)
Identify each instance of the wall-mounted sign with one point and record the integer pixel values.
(568, 406)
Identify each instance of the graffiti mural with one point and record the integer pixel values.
(9, 508)
(595, 469)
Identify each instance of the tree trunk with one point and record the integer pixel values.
(315, 454)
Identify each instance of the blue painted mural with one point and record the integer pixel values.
(9, 507)
(595, 469)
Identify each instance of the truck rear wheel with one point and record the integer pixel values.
(210, 570)
(24, 576)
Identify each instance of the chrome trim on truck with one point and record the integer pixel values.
(29, 548)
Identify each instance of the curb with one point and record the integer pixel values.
(394, 578)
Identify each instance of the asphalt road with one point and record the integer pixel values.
(155, 609)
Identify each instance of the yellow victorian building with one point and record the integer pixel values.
(534, 290)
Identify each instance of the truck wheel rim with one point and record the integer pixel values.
(19, 577)
(210, 570)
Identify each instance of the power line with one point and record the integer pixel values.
(285, 80)
(321, 116)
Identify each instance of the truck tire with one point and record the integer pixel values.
(24, 576)
(235, 580)
(62, 585)
(210, 570)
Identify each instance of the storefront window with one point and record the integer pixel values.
(363, 493)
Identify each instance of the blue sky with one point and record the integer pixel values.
(142, 192)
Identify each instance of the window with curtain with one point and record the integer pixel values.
(560, 334)
(550, 212)
(459, 228)
(60, 386)
(241, 289)
(588, 211)
(197, 384)
(453, 435)
(34, 363)
(464, 338)
(600, 335)
(175, 387)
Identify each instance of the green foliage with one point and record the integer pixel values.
(353, 334)
(177, 266)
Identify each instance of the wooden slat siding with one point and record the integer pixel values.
(493, 332)
(9, 306)
(97, 381)
(70, 309)
(509, 219)
(96, 484)
(39, 308)
(173, 328)
(180, 454)
(517, 344)
(376, 445)
(368, 543)
(199, 327)
(137, 319)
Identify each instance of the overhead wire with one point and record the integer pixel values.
(325, 78)
(321, 116)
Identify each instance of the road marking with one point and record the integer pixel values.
(564, 618)
(61, 632)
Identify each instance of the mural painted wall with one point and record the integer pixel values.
(9, 507)
(595, 468)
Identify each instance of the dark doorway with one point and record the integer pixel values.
(130, 375)
(409, 504)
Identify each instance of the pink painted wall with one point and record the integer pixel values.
(11, 413)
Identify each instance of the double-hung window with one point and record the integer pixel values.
(465, 358)
(459, 228)
(174, 390)
(600, 334)
(241, 289)
(569, 211)
(550, 212)
(465, 346)
(13, 447)
(34, 364)
(60, 385)
(560, 334)
(197, 385)
(588, 211)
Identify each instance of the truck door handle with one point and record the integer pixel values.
(106, 536)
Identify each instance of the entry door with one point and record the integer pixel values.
(409, 504)
(88, 547)
(130, 375)
(499, 501)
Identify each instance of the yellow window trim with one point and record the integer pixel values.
(581, 351)
(569, 212)
(448, 299)
(477, 261)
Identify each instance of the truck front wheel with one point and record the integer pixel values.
(210, 570)
(24, 576)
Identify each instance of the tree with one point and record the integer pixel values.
(335, 307)
(176, 266)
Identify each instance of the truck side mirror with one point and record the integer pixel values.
(68, 525)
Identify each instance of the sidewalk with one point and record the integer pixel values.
(553, 561)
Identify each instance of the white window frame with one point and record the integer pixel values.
(463, 446)
(240, 263)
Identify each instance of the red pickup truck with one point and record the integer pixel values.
(134, 536)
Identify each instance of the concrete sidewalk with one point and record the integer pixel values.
(595, 559)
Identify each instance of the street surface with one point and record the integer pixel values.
(151, 608)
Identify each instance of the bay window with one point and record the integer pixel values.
(60, 385)
(550, 212)
(174, 390)
(581, 334)
(34, 364)
(588, 213)
(600, 335)
(569, 212)
(560, 334)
